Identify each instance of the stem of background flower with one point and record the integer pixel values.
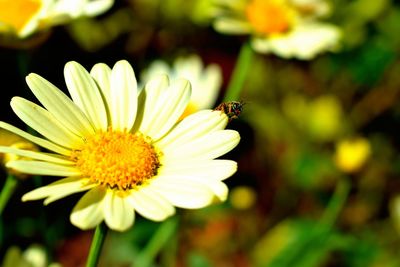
(336, 203)
(7, 191)
(23, 60)
(239, 73)
(164, 233)
(23, 63)
(97, 243)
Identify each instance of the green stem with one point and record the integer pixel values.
(23, 63)
(97, 244)
(336, 203)
(239, 74)
(164, 233)
(7, 191)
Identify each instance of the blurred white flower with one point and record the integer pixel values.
(206, 81)
(25, 17)
(287, 28)
(33, 256)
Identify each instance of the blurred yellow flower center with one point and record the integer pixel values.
(17, 13)
(118, 160)
(269, 16)
(7, 157)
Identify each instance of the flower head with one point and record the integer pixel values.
(14, 141)
(33, 256)
(123, 146)
(352, 154)
(205, 81)
(288, 28)
(24, 17)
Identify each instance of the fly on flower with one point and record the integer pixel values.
(232, 109)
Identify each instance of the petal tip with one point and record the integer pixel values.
(26, 197)
(77, 223)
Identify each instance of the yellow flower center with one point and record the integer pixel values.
(269, 16)
(120, 160)
(17, 13)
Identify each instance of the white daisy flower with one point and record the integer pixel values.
(287, 28)
(206, 81)
(33, 256)
(24, 17)
(123, 146)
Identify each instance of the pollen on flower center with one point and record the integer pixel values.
(269, 16)
(120, 160)
(17, 13)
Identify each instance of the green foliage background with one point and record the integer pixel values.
(307, 212)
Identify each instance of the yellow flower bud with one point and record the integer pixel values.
(242, 197)
(325, 118)
(351, 154)
(11, 140)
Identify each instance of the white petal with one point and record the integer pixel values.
(218, 169)
(86, 94)
(62, 11)
(96, 7)
(205, 82)
(219, 188)
(62, 187)
(194, 126)
(189, 68)
(44, 123)
(156, 68)
(232, 26)
(209, 146)
(118, 214)
(205, 92)
(65, 10)
(169, 108)
(303, 42)
(123, 104)
(88, 212)
(36, 155)
(42, 168)
(183, 193)
(59, 105)
(148, 99)
(150, 204)
(39, 141)
(101, 73)
(65, 193)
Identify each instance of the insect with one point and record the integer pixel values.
(232, 109)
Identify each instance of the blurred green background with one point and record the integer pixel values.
(318, 182)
